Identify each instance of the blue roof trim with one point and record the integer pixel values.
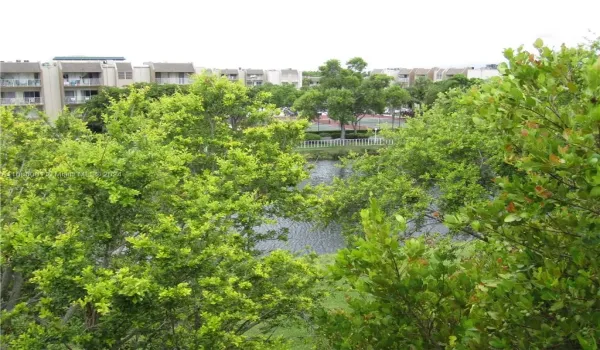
(88, 58)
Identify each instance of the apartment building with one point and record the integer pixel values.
(256, 77)
(233, 75)
(21, 84)
(407, 77)
(171, 73)
(70, 81)
(401, 76)
(290, 76)
(487, 72)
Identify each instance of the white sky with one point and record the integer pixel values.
(302, 34)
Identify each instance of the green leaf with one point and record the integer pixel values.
(557, 305)
(512, 217)
(538, 44)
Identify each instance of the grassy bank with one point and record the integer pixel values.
(336, 152)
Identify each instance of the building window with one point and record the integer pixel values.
(125, 75)
(8, 94)
(31, 94)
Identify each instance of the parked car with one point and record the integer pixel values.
(407, 112)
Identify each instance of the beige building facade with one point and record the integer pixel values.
(69, 82)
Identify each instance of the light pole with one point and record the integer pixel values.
(376, 128)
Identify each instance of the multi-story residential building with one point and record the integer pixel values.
(285, 76)
(291, 76)
(255, 77)
(408, 77)
(400, 75)
(450, 72)
(489, 71)
(124, 72)
(80, 81)
(417, 73)
(21, 84)
(232, 74)
(311, 81)
(171, 73)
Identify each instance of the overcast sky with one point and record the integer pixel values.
(300, 34)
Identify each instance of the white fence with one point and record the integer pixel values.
(339, 142)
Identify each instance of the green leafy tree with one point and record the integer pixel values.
(94, 109)
(414, 295)
(280, 95)
(420, 89)
(530, 280)
(142, 236)
(395, 98)
(348, 94)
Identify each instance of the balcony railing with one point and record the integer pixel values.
(82, 82)
(178, 81)
(20, 82)
(20, 101)
(71, 100)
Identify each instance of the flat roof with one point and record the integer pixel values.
(88, 58)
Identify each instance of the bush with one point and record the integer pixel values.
(356, 136)
(311, 137)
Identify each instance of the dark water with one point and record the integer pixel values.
(304, 234)
(323, 241)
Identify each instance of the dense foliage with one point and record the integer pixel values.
(142, 236)
(349, 94)
(280, 95)
(523, 177)
(425, 92)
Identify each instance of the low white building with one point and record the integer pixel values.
(489, 71)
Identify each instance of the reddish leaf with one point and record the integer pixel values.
(511, 207)
(563, 150)
(524, 132)
(554, 159)
(532, 124)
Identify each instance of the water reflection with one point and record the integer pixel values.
(304, 234)
(323, 241)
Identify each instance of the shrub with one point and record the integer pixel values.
(309, 136)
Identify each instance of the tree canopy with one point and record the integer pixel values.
(143, 236)
(513, 164)
(347, 93)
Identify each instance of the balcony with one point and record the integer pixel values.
(20, 82)
(21, 101)
(82, 82)
(178, 81)
(74, 100)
